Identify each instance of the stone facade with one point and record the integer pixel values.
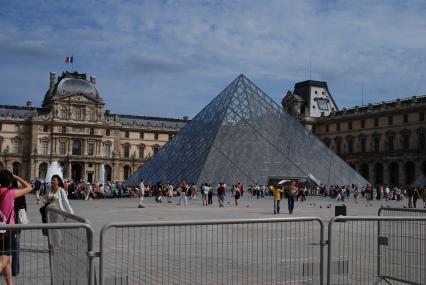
(73, 128)
(384, 142)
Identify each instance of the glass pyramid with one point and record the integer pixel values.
(244, 136)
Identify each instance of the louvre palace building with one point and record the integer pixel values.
(384, 142)
(73, 127)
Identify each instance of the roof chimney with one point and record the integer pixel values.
(29, 104)
(52, 81)
(93, 79)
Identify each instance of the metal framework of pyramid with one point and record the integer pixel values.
(244, 136)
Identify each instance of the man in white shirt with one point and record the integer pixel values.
(142, 193)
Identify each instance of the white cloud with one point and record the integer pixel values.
(179, 51)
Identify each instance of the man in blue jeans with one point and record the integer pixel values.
(291, 194)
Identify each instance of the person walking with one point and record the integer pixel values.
(183, 199)
(221, 194)
(292, 193)
(141, 193)
(204, 193)
(237, 194)
(170, 193)
(276, 192)
(210, 195)
(7, 201)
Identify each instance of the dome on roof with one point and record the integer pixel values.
(70, 86)
(71, 83)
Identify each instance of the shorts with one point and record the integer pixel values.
(204, 195)
(7, 243)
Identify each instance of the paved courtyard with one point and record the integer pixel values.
(277, 253)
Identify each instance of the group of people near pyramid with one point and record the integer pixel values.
(291, 191)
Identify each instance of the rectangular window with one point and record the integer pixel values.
(126, 151)
(390, 120)
(92, 131)
(327, 128)
(422, 141)
(338, 127)
(45, 128)
(377, 144)
(405, 118)
(350, 146)
(141, 135)
(78, 114)
(156, 136)
(350, 125)
(127, 134)
(107, 132)
(376, 122)
(64, 130)
(16, 146)
(406, 142)
(62, 148)
(106, 150)
(44, 147)
(363, 145)
(421, 116)
(91, 149)
(363, 124)
(390, 143)
(339, 147)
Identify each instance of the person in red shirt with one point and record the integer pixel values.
(7, 201)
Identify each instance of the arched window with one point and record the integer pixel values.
(64, 113)
(127, 171)
(378, 173)
(42, 170)
(92, 114)
(155, 148)
(393, 173)
(409, 173)
(365, 171)
(76, 147)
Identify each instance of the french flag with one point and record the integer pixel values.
(68, 59)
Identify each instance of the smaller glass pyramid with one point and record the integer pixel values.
(244, 136)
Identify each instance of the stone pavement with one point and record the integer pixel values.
(213, 254)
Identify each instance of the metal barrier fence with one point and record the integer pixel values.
(37, 260)
(73, 261)
(407, 212)
(377, 250)
(251, 251)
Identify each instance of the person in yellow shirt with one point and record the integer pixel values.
(277, 198)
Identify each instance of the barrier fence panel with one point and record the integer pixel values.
(392, 212)
(38, 260)
(72, 250)
(386, 259)
(267, 251)
(377, 250)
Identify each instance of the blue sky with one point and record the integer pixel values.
(171, 58)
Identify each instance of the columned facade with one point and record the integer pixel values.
(73, 128)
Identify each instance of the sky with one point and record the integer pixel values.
(171, 58)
